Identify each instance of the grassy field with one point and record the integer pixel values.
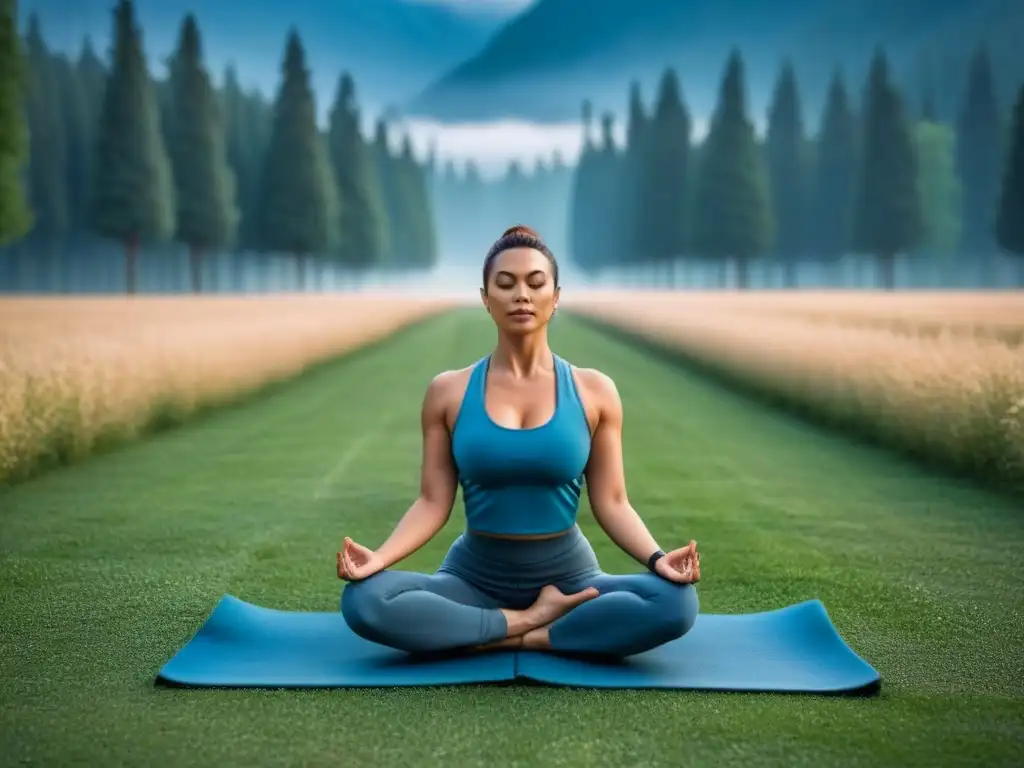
(108, 567)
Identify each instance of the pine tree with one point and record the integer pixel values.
(836, 180)
(1009, 227)
(581, 206)
(979, 154)
(362, 226)
(133, 195)
(247, 124)
(608, 226)
(733, 213)
(386, 170)
(16, 218)
(887, 217)
(666, 176)
(636, 235)
(938, 187)
(76, 131)
(204, 186)
(422, 239)
(47, 140)
(294, 206)
(91, 77)
(785, 164)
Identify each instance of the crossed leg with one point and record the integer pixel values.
(419, 612)
(633, 613)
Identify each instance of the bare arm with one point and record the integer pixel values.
(438, 482)
(605, 474)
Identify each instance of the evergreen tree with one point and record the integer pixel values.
(887, 217)
(607, 226)
(247, 124)
(392, 194)
(204, 186)
(16, 218)
(47, 140)
(938, 187)
(582, 194)
(133, 196)
(422, 239)
(1009, 227)
(78, 149)
(635, 235)
(293, 209)
(979, 156)
(472, 210)
(836, 180)
(362, 229)
(784, 155)
(91, 77)
(733, 213)
(667, 174)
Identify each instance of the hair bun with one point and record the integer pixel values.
(520, 229)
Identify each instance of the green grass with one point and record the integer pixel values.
(109, 566)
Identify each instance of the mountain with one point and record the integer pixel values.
(392, 47)
(541, 64)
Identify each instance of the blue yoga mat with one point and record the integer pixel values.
(793, 649)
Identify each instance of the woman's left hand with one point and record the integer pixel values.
(680, 565)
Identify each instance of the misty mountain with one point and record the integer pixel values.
(543, 63)
(394, 48)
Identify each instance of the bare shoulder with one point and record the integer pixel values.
(598, 390)
(445, 391)
(596, 382)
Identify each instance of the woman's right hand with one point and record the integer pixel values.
(356, 562)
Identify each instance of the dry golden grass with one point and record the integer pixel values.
(998, 315)
(77, 372)
(948, 393)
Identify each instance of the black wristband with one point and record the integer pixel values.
(655, 557)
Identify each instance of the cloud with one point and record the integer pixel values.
(494, 145)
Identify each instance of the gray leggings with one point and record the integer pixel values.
(458, 606)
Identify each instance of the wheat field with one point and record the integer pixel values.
(939, 375)
(75, 373)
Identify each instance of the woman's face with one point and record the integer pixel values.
(520, 293)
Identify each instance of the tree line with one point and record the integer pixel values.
(882, 181)
(472, 209)
(90, 149)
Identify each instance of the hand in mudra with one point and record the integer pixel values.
(356, 562)
(680, 565)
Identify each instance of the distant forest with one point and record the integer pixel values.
(111, 179)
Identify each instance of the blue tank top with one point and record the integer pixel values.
(521, 481)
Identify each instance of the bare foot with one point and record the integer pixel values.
(536, 640)
(551, 604)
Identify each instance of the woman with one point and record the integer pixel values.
(520, 430)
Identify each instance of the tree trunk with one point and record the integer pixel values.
(742, 273)
(195, 263)
(131, 258)
(887, 268)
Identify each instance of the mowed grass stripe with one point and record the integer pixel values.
(108, 567)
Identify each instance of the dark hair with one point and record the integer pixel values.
(519, 236)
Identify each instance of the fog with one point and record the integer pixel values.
(494, 145)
